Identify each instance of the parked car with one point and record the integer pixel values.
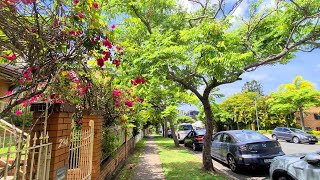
(296, 166)
(182, 131)
(169, 133)
(195, 139)
(293, 135)
(244, 148)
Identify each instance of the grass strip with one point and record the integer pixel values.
(128, 170)
(179, 163)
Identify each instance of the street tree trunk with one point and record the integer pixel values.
(165, 128)
(206, 154)
(301, 118)
(173, 132)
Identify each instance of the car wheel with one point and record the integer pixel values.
(232, 163)
(185, 145)
(287, 140)
(295, 140)
(274, 137)
(194, 147)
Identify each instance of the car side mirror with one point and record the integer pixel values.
(312, 158)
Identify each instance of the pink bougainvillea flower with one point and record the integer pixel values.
(75, 1)
(118, 48)
(100, 62)
(72, 33)
(138, 100)
(79, 32)
(138, 80)
(52, 96)
(80, 15)
(106, 55)
(18, 112)
(70, 74)
(133, 82)
(95, 5)
(8, 93)
(116, 62)
(116, 93)
(129, 103)
(107, 43)
(26, 2)
(11, 57)
(113, 26)
(142, 80)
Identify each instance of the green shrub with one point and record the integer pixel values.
(269, 131)
(265, 131)
(316, 133)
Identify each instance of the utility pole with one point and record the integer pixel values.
(257, 118)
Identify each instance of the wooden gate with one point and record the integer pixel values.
(80, 156)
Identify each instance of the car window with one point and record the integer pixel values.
(297, 131)
(185, 127)
(249, 136)
(226, 138)
(278, 129)
(286, 130)
(201, 132)
(217, 138)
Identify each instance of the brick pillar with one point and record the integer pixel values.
(97, 143)
(59, 129)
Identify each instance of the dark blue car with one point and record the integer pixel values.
(244, 148)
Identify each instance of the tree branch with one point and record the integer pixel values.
(145, 22)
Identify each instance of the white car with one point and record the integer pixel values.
(182, 131)
(296, 167)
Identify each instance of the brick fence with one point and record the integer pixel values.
(59, 130)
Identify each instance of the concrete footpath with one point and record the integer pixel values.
(149, 167)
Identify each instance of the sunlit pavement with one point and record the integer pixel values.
(261, 174)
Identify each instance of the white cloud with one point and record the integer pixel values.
(257, 76)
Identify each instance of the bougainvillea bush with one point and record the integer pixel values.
(66, 52)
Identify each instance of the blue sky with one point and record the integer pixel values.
(304, 64)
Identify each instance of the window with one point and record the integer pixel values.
(217, 138)
(285, 130)
(316, 116)
(278, 129)
(226, 138)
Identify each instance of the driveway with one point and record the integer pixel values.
(260, 174)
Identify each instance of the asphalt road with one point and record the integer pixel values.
(262, 174)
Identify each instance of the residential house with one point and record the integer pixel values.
(7, 74)
(311, 118)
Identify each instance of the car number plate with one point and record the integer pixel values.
(268, 160)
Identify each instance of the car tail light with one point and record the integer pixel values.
(199, 138)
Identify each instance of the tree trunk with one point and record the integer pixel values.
(165, 128)
(301, 118)
(173, 133)
(206, 154)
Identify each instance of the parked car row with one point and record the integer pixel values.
(246, 148)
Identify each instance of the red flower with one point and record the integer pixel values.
(79, 32)
(18, 112)
(52, 96)
(11, 57)
(107, 43)
(116, 93)
(129, 103)
(117, 105)
(26, 2)
(72, 33)
(9, 93)
(106, 55)
(118, 48)
(138, 80)
(142, 80)
(95, 5)
(75, 1)
(116, 62)
(113, 26)
(80, 15)
(122, 120)
(138, 100)
(134, 82)
(100, 62)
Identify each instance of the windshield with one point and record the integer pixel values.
(297, 131)
(249, 136)
(201, 132)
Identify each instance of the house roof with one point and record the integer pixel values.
(8, 71)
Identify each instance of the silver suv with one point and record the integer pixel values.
(293, 135)
(183, 130)
(296, 167)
